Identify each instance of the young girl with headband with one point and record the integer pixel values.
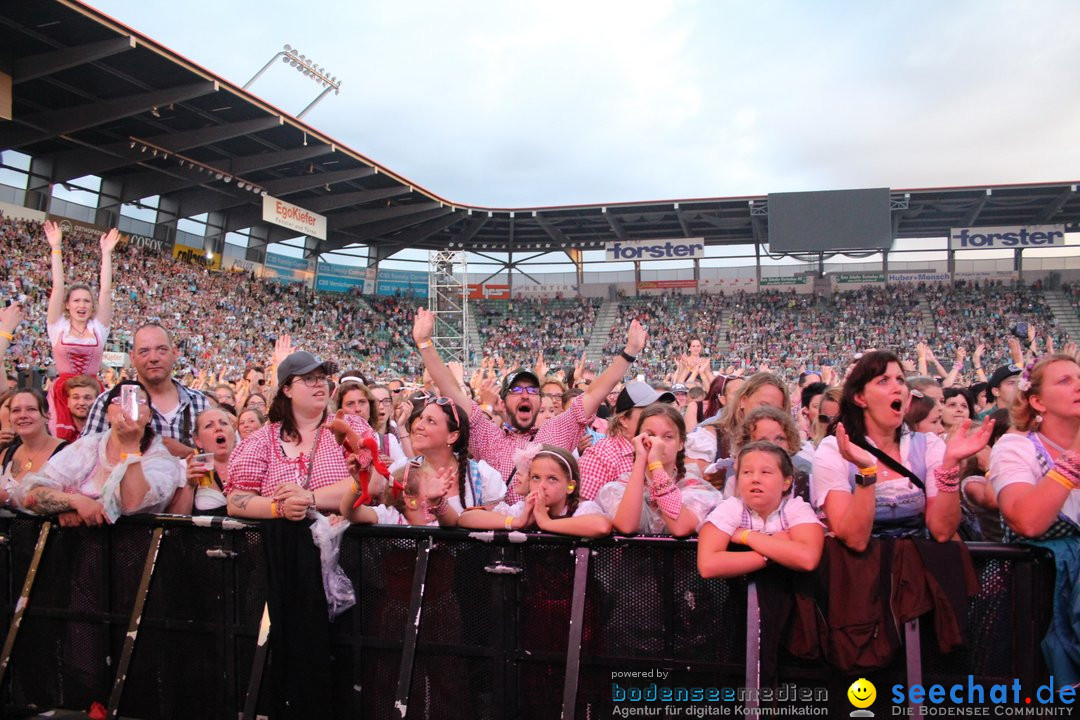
(763, 516)
(549, 479)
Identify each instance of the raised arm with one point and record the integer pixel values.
(614, 373)
(10, 317)
(441, 375)
(957, 368)
(108, 244)
(56, 298)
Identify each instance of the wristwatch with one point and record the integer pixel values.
(865, 480)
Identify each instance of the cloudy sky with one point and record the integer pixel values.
(534, 103)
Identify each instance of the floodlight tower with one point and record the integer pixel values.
(306, 66)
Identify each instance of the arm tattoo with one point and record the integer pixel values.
(44, 502)
(240, 500)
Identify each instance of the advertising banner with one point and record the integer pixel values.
(235, 264)
(634, 250)
(147, 243)
(340, 278)
(404, 282)
(489, 291)
(1006, 237)
(197, 256)
(280, 268)
(293, 217)
(666, 284)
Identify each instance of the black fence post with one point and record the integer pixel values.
(753, 645)
(258, 665)
(412, 629)
(573, 643)
(24, 598)
(133, 624)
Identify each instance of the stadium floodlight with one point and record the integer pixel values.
(306, 67)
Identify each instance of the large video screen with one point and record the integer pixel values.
(830, 220)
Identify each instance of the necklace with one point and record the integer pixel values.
(28, 465)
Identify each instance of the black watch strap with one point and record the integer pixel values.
(865, 480)
(628, 357)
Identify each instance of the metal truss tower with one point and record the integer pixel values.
(448, 298)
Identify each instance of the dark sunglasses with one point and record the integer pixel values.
(824, 419)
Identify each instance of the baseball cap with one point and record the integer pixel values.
(639, 394)
(301, 363)
(679, 388)
(518, 374)
(999, 376)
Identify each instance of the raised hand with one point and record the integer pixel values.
(960, 445)
(642, 445)
(109, 240)
(423, 325)
(852, 452)
(53, 234)
(636, 337)
(283, 348)
(11, 316)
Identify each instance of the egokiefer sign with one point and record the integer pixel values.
(293, 217)
(1006, 238)
(634, 250)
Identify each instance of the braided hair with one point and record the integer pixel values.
(460, 447)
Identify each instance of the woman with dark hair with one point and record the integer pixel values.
(657, 497)
(959, 406)
(33, 445)
(356, 399)
(872, 478)
(293, 463)
(440, 434)
(77, 328)
(122, 471)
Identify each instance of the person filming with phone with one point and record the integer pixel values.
(122, 471)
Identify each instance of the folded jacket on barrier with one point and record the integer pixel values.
(851, 610)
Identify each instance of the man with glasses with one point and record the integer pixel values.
(521, 396)
(175, 406)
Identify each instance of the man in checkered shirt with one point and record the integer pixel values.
(175, 406)
(521, 394)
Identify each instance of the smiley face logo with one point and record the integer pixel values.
(862, 693)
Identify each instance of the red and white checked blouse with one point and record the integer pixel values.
(605, 462)
(258, 464)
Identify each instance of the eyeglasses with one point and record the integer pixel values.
(824, 419)
(524, 390)
(444, 401)
(386, 401)
(312, 380)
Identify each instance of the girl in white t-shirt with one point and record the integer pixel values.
(549, 480)
(763, 516)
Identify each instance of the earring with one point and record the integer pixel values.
(570, 488)
(1038, 420)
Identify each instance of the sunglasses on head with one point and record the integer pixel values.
(443, 401)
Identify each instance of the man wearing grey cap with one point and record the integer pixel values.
(521, 394)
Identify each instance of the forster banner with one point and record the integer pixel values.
(293, 217)
(1006, 237)
(635, 250)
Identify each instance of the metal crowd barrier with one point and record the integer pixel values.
(157, 617)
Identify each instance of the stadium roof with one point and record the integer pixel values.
(94, 97)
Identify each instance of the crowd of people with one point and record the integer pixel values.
(836, 421)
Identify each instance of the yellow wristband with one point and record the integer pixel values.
(7, 336)
(509, 522)
(57, 252)
(425, 344)
(275, 509)
(1061, 479)
(742, 538)
(871, 470)
(654, 466)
